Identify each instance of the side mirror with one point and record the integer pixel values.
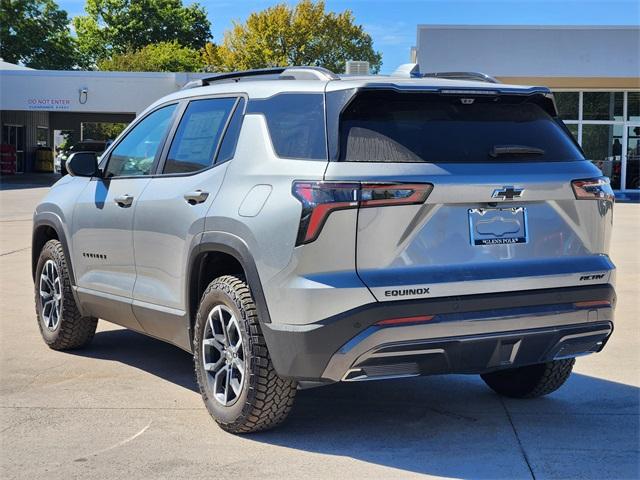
(82, 164)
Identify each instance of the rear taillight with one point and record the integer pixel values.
(593, 189)
(319, 199)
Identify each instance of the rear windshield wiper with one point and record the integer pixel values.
(499, 150)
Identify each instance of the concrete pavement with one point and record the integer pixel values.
(127, 406)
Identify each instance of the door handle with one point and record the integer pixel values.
(124, 201)
(198, 196)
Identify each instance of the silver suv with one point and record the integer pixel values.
(292, 228)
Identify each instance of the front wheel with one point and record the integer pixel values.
(238, 383)
(61, 324)
(531, 381)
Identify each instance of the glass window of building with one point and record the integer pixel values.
(633, 106)
(602, 144)
(573, 128)
(42, 136)
(568, 104)
(607, 126)
(602, 105)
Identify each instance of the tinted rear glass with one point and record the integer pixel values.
(383, 126)
(296, 124)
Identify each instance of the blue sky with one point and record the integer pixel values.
(392, 23)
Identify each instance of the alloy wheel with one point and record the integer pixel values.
(50, 295)
(223, 356)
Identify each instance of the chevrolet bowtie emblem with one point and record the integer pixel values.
(507, 193)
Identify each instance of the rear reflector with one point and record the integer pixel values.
(319, 199)
(405, 320)
(593, 189)
(593, 304)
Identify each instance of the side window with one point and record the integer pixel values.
(135, 154)
(230, 140)
(198, 134)
(296, 124)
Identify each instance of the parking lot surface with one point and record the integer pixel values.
(127, 406)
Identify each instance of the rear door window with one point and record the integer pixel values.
(198, 135)
(386, 126)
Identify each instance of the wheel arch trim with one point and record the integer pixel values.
(227, 243)
(49, 219)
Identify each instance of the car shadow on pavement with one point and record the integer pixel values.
(145, 353)
(450, 426)
(28, 180)
(454, 426)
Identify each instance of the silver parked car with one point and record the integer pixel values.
(292, 228)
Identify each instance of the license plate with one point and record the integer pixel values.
(498, 226)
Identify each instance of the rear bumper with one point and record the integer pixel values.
(476, 353)
(468, 334)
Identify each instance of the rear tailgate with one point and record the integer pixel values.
(428, 250)
(490, 224)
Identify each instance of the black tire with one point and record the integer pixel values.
(531, 381)
(72, 329)
(265, 399)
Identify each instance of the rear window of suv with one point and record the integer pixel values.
(389, 126)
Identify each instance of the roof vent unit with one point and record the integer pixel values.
(357, 67)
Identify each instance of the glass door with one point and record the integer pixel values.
(632, 153)
(14, 135)
(602, 144)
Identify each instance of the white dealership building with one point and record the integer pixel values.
(594, 72)
(36, 103)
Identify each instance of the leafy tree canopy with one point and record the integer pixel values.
(102, 130)
(157, 57)
(114, 27)
(36, 34)
(303, 35)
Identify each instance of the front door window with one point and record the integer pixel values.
(135, 154)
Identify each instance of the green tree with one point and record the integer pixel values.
(36, 34)
(157, 57)
(303, 35)
(114, 27)
(102, 130)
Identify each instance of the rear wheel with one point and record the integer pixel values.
(238, 383)
(531, 381)
(61, 324)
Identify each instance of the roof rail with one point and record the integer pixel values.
(284, 73)
(478, 76)
(308, 73)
